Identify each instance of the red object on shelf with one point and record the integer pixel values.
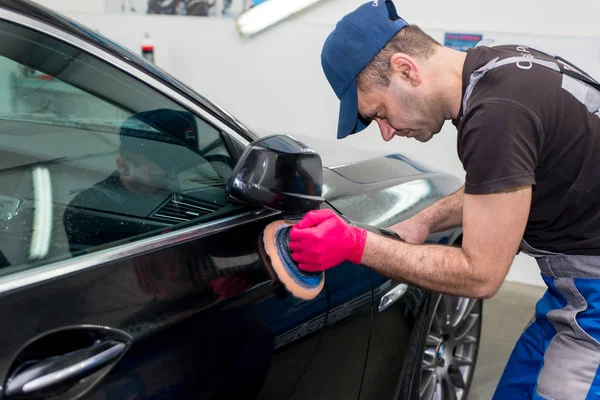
(148, 48)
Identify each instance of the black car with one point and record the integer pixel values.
(129, 271)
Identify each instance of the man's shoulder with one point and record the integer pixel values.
(482, 54)
(520, 81)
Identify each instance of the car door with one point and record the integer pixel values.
(337, 369)
(125, 272)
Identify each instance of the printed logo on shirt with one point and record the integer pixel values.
(526, 54)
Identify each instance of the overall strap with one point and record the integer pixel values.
(569, 69)
(576, 85)
(522, 62)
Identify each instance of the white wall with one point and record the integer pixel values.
(274, 82)
(552, 17)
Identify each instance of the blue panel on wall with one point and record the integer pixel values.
(461, 41)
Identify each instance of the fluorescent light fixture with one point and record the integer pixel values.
(269, 13)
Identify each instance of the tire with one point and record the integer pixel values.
(450, 363)
(410, 377)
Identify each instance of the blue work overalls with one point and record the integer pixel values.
(558, 354)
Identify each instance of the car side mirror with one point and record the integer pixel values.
(280, 173)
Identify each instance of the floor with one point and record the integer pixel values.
(505, 316)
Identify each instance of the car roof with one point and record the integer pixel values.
(61, 22)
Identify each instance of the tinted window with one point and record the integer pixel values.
(91, 157)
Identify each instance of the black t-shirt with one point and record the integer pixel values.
(527, 126)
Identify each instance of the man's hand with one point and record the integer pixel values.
(411, 231)
(322, 240)
(445, 213)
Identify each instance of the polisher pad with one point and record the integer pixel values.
(276, 241)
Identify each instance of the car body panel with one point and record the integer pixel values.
(195, 327)
(381, 192)
(400, 194)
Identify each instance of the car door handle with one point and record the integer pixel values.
(55, 372)
(392, 296)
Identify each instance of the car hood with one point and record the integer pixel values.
(375, 187)
(362, 166)
(334, 152)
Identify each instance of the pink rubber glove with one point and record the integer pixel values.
(322, 240)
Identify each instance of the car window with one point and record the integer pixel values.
(91, 157)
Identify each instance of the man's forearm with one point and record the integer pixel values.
(445, 269)
(445, 213)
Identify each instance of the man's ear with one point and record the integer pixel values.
(405, 66)
(123, 166)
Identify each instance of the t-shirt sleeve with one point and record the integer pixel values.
(499, 146)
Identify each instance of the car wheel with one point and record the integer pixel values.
(451, 348)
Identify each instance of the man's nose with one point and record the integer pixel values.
(387, 132)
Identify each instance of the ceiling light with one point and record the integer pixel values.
(269, 13)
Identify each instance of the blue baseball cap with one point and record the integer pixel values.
(355, 41)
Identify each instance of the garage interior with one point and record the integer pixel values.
(272, 81)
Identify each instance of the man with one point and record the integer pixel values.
(528, 140)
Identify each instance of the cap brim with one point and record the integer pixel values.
(349, 121)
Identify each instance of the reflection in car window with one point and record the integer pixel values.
(92, 157)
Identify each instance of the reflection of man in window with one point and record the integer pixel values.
(154, 146)
(139, 174)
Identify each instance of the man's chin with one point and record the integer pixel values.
(420, 136)
(424, 137)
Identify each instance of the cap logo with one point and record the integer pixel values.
(375, 3)
(190, 133)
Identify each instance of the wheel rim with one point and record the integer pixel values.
(451, 349)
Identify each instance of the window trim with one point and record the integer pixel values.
(53, 270)
(27, 277)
